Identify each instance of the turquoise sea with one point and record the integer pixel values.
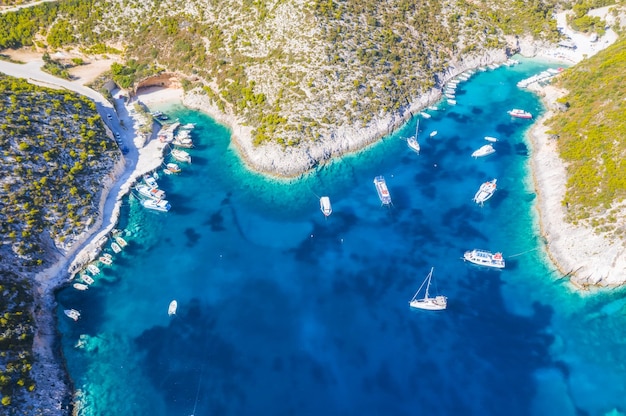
(284, 312)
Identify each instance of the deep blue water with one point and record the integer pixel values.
(284, 312)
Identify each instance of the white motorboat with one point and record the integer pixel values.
(80, 286)
(433, 108)
(171, 168)
(484, 151)
(116, 247)
(485, 258)
(106, 260)
(72, 313)
(381, 189)
(171, 310)
(119, 240)
(181, 155)
(425, 114)
(93, 269)
(451, 102)
(436, 303)
(325, 206)
(485, 192)
(160, 205)
(412, 141)
(87, 279)
(150, 181)
(148, 192)
(433, 133)
(516, 112)
(188, 126)
(491, 139)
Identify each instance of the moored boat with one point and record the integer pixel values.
(412, 141)
(93, 269)
(484, 151)
(119, 240)
(80, 286)
(491, 139)
(485, 192)
(381, 189)
(87, 279)
(106, 260)
(433, 133)
(516, 112)
(181, 155)
(160, 205)
(148, 192)
(485, 258)
(436, 303)
(150, 181)
(115, 247)
(325, 206)
(451, 102)
(425, 114)
(172, 168)
(72, 313)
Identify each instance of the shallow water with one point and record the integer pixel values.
(282, 311)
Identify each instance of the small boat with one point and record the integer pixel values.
(80, 286)
(516, 112)
(451, 102)
(148, 192)
(450, 96)
(412, 141)
(173, 167)
(425, 114)
(116, 247)
(433, 133)
(433, 108)
(106, 260)
(87, 279)
(325, 206)
(485, 258)
(491, 139)
(381, 189)
(484, 151)
(171, 310)
(188, 126)
(438, 303)
(181, 155)
(485, 192)
(150, 181)
(93, 269)
(160, 205)
(183, 141)
(119, 240)
(72, 313)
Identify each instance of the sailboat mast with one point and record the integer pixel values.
(428, 285)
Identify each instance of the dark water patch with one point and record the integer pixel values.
(505, 130)
(216, 221)
(477, 111)
(192, 237)
(458, 117)
(521, 149)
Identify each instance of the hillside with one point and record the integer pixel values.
(591, 133)
(293, 71)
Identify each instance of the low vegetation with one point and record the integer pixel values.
(16, 339)
(592, 141)
(294, 71)
(54, 152)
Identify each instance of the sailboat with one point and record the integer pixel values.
(437, 303)
(412, 141)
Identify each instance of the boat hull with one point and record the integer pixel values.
(381, 189)
(485, 258)
(438, 303)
